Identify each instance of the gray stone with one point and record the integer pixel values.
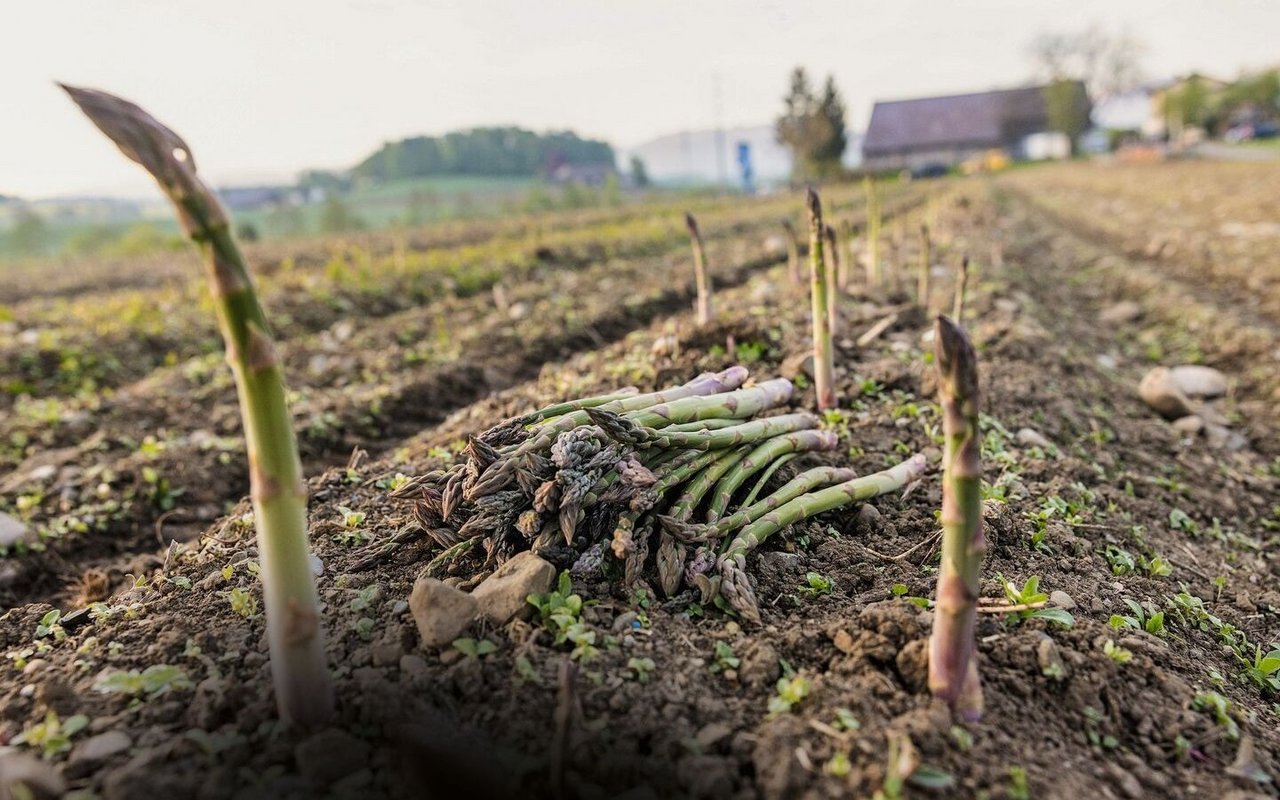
(1050, 660)
(1028, 437)
(1120, 313)
(1194, 380)
(101, 746)
(1222, 437)
(441, 612)
(37, 776)
(1159, 391)
(502, 596)
(12, 531)
(329, 756)
(1061, 599)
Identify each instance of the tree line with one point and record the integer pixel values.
(498, 152)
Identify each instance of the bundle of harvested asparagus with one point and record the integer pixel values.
(632, 474)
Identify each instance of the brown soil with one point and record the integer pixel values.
(1063, 719)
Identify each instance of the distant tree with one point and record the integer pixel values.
(29, 233)
(247, 232)
(336, 217)
(1067, 108)
(611, 191)
(831, 112)
(325, 180)
(482, 151)
(1108, 64)
(639, 173)
(1187, 104)
(811, 128)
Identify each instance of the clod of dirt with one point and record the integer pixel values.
(503, 594)
(1027, 437)
(1160, 391)
(90, 753)
(760, 665)
(1120, 313)
(1198, 381)
(329, 756)
(35, 776)
(12, 531)
(441, 611)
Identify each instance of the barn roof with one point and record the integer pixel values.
(980, 119)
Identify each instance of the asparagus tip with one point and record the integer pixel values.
(956, 358)
(813, 203)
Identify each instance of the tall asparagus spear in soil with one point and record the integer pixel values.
(873, 230)
(833, 270)
(295, 639)
(733, 562)
(962, 285)
(823, 365)
(922, 277)
(793, 252)
(700, 271)
(953, 666)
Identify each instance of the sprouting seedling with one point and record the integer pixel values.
(793, 252)
(823, 363)
(953, 666)
(279, 494)
(700, 271)
(962, 281)
(922, 276)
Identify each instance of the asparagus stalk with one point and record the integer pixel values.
(740, 404)
(953, 665)
(823, 366)
(671, 552)
(700, 271)
(793, 252)
(962, 283)
(762, 456)
(833, 271)
(560, 409)
(733, 562)
(628, 432)
(499, 474)
(279, 494)
(922, 277)
(763, 480)
(873, 230)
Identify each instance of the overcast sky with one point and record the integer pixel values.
(264, 88)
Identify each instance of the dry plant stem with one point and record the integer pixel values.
(833, 270)
(823, 365)
(962, 285)
(922, 276)
(732, 563)
(953, 666)
(793, 253)
(295, 639)
(700, 271)
(762, 456)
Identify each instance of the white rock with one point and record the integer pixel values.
(502, 595)
(1028, 437)
(1221, 436)
(441, 611)
(102, 746)
(1197, 381)
(1189, 425)
(12, 531)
